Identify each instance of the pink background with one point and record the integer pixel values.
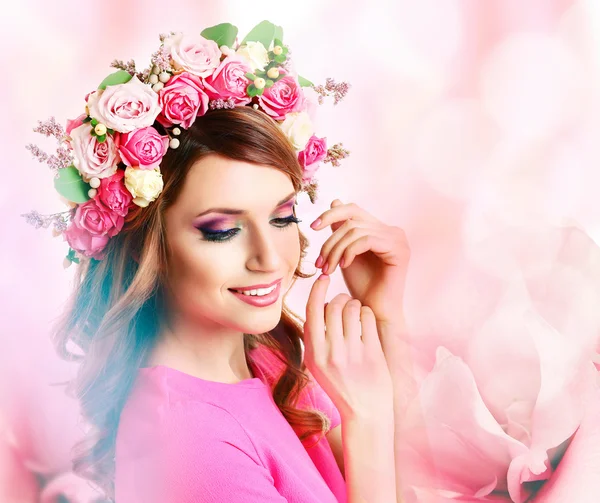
(472, 124)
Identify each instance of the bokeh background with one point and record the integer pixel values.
(472, 124)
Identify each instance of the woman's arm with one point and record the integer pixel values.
(369, 458)
(397, 355)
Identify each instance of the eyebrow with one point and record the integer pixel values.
(233, 211)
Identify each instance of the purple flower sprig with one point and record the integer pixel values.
(335, 154)
(63, 157)
(338, 91)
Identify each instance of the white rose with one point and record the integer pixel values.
(256, 55)
(298, 127)
(194, 54)
(144, 184)
(125, 107)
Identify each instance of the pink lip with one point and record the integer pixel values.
(265, 300)
(255, 287)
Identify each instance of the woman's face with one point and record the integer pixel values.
(212, 249)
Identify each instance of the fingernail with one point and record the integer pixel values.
(342, 262)
(325, 268)
(316, 223)
(319, 261)
(323, 276)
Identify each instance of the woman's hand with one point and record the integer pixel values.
(351, 369)
(373, 258)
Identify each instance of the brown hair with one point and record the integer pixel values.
(115, 308)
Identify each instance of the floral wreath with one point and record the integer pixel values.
(108, 159)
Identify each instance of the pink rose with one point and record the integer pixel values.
(182, 100)
(283, 97)
(125, 107)
(92, 158)
(91, 228)
(74, 123)
(114, 195)
(193, 53)
(314, 152)
(143, 148)
(229, 81)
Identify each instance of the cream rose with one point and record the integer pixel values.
(125, 107)
(143, 184)
(194, 54)
(255, 54)
(298, 127)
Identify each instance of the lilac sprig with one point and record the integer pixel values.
(221, 103)
(59, 220)
(161, 59)
(335, 154)
(63, 157)
(331, 88)
(129, 67)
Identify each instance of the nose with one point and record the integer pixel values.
(264, 252)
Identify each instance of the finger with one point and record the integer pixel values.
(314, 326)
(354, 235)
(335, 327)
(379, 244)
(352, 329)
(370, 336)
(338, 234)
(343, 212)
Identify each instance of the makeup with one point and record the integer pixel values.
(260, 301)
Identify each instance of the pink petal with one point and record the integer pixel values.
(577, 477)
(453, 442)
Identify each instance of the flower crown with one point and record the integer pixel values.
(108, 159)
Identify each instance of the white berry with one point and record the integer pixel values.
(255, 106)
(273, 73)
(153, 78)
(92, 193)
(164, 77)
(158, 86)
(100, 129)
(174, 143)
(176, 131)
(259, 83)
(156, 70)
(277, 50)
(95, 182)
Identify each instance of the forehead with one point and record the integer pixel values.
(215, 180)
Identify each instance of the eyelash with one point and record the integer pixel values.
(220, 236)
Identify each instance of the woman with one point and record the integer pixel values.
(193, 374)
(179, 364)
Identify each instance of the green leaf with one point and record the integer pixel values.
(264, 32)
(251, 76)
(71, 186)
(87, 119)
(280, 58)
(269, 83)
(119, 77)
(252, 91)
(111, 131)
(71, 256)
(94, 122)
(101, 139)
(304, 82)
(277, 41)
(222, 34)
(260, 91)
(278, 35)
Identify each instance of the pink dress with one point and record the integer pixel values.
(182, 439)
